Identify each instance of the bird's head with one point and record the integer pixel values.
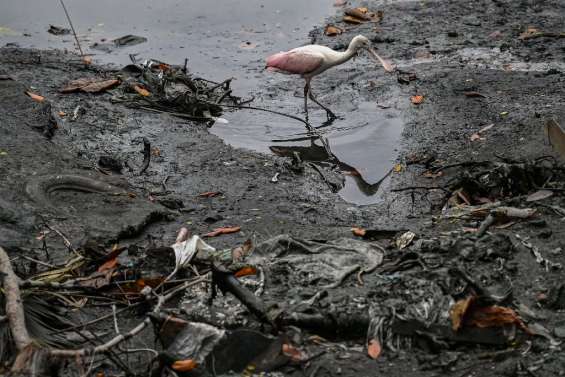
(361, 42)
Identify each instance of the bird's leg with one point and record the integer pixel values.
(329, 113)
(306, 90)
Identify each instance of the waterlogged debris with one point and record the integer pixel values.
(359, 232)
(532, 33)
(539, 195)
(478, 135)
(417, 99)
(58, 30)
(361, 15)
(90, 85)
(556, 136)
(469, 313)
(275, 178)
(374, 349)
(129, 40)
(405, 239)
(184, 365)
(210, 194)
(474, 94)
(331, 30)
(142, 91)
(224, 230)
(35, 97)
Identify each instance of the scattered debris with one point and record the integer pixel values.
(361, 15)
(57, 30)
(404, 240)
(417, 99)
(129, 40)
(35, 97)
(90, 85)
(556, 136)
(331, 30)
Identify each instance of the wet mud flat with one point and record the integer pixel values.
(469, 225)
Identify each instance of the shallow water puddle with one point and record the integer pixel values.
(225, 39)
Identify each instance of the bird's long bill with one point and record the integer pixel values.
(386, 65)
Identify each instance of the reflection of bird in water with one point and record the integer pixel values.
(309, 61)
(315, 153)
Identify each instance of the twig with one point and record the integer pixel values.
(72, 28)
(116, 328)
(146, 155)
(14, 304)
(420, 188)
(122, 337)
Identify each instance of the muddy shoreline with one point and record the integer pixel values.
(452, 49)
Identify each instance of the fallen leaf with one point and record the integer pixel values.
(209, 194)
(374, 349)
(416, 100)
(245, 271)
(224, 230)
(474, 94)
(184, 365)
(475, 137)
(142, 91)
(361, 15)
(457, 312)
(539, 195)
(241, 252)
(293, 353)
(108, 265)
(331, 30)
(62, 113)
(352, 20)
(405, 239)
(397, 168)
(431, 174)
(156, 152)
(486, 128)
(87, 60)
(360, 232)
(467, 313)
(529, 33)
(89, 85)
(35, 97)
(556, 136)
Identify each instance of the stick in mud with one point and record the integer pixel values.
(146, 155)
(72, 28)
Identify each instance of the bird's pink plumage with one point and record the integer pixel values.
(297, 62)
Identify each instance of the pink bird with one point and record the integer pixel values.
(309, 61)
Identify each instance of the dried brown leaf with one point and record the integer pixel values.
(141, 91)
(417, 99)
(331, 30)
(474, 94)
(184, 365)
(35, 97)
(360, 232)
(374, 349)
(556, 136)
(224, 230)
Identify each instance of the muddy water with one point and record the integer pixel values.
(231, 38)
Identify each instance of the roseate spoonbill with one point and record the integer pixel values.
(309, 61)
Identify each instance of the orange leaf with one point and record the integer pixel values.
(62, 113)
(293, 353)
(245, 271)
(224, 230)
(457, 312)
(142, 91)
(35, 97)
(331, 30)
(360, 232)
(184, 365)
(467, 313)
(416, 100)
(374, 349)
(209, 194)
(108, 265)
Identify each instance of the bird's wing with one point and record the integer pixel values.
(295, 61)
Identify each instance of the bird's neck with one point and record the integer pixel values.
(346, 55)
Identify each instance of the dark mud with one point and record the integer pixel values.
(453, 48)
